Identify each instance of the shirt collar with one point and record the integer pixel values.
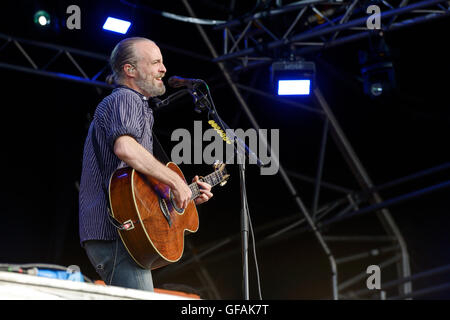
(144, 98)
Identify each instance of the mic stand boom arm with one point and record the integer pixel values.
(174, 96)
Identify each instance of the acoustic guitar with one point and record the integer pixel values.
(153, 227)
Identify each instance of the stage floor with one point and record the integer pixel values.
(15, 286)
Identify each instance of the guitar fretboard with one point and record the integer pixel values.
(213, 179)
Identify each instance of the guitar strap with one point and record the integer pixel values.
(158, 150)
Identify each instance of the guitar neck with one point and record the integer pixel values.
(212, 179)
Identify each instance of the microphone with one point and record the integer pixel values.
(176, 82)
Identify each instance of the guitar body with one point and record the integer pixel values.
(156, 236)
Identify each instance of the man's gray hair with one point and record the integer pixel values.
(122, 54)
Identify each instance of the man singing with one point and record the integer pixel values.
(121, 135)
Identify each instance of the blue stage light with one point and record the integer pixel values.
(293, 78)
(294, 87)
(117, 25)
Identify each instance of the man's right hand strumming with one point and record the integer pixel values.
(182, 194)
(132, 153)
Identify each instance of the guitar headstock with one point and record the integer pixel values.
(220, 166)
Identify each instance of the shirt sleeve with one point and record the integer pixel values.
(123, 116)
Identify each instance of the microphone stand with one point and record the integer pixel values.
(244, 232)
(202, 102)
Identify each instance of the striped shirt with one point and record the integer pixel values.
(123, 112)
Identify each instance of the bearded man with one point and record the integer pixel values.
(121, 135)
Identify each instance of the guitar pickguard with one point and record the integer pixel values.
(165, 210)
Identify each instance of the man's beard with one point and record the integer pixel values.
(148, 87)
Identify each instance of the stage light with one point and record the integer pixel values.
(117, 25)
(42, 18)
(293, 78)
(377, 69)
(294, 87)
(379, 79)
(376, 89)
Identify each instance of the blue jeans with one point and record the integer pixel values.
(115, 266)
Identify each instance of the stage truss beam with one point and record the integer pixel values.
(321, 36)
(401, 258)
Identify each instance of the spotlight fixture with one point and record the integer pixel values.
(379, 79)
(293, 78)
(377, 70)
(116, 25)
(42, 18)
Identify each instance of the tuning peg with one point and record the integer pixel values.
(225, 180)
(218, 165)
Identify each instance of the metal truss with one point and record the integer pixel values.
(315, 25)
(61, 62)
(49, 55)
(341, 24)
